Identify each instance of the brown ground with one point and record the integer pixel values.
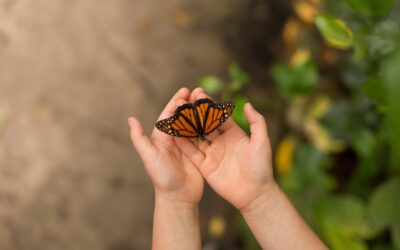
(71, 72)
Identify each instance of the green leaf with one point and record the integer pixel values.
(295, 80)
(239, 78)
(341, 119)
(334, 31)
(375, 90)
(391, 80)
(238, 114)
(211, 84)
(342, 222)
(384, 204)
(363, 142)
(381, 41)
(372, 8)
(309, 166)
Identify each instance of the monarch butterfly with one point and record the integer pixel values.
(194, 120)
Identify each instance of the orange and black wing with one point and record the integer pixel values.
(212, 115)
(182, 124)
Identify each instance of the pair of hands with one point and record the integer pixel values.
(236, 166)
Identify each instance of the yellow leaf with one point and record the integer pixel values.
(284, 155)
(299, 57)
(306, 11)
(291, 32)
(321, 137)
(216, 227)
(320, 107)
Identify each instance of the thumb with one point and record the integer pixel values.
(258, 126)
(140, 141)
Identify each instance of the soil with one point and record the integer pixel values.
(71, 72)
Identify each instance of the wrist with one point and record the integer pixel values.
(264, 204)
(175, 206)
(175, 224)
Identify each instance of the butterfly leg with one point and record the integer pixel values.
(210, 143)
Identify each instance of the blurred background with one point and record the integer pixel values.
(325, 73)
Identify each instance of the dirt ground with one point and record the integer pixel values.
(71, 72)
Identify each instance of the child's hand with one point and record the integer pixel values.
(236, 166)
(239, 168)
(174, 176)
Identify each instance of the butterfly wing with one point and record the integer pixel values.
(182, 124)
(212, 115)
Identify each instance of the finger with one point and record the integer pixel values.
(200, 95)
(140, 141)
(231, 126)
(258, 126)
(195, 93)
(159, 136)
(187, 147)
(170, 108)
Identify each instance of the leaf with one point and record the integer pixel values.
(375, 90)
(309, 165)
(284, 155)
(211, 84)
(238, 77)
(363, 142)
(372, 8)
(391, 79)
(238, 114)
(342, 222)
(381, 41)
(341, 120)
(295, 80)
(384, 204)
(334, 31)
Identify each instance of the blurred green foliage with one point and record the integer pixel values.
(295, 80)
(344, 174)
(232, 90)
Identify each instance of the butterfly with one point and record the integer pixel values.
(196, 120)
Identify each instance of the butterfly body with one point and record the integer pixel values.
(196, 120)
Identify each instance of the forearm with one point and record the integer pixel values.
(175, 226)
(277, 225)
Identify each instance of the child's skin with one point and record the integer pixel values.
(236, 166)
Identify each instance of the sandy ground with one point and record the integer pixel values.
(71, 72)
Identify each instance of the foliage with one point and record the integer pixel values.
(237, 80)
(295, 80)
(335, 31)
(339, 160)
(353, 211)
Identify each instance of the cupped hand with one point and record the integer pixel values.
(237, 166)
(174, 176)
